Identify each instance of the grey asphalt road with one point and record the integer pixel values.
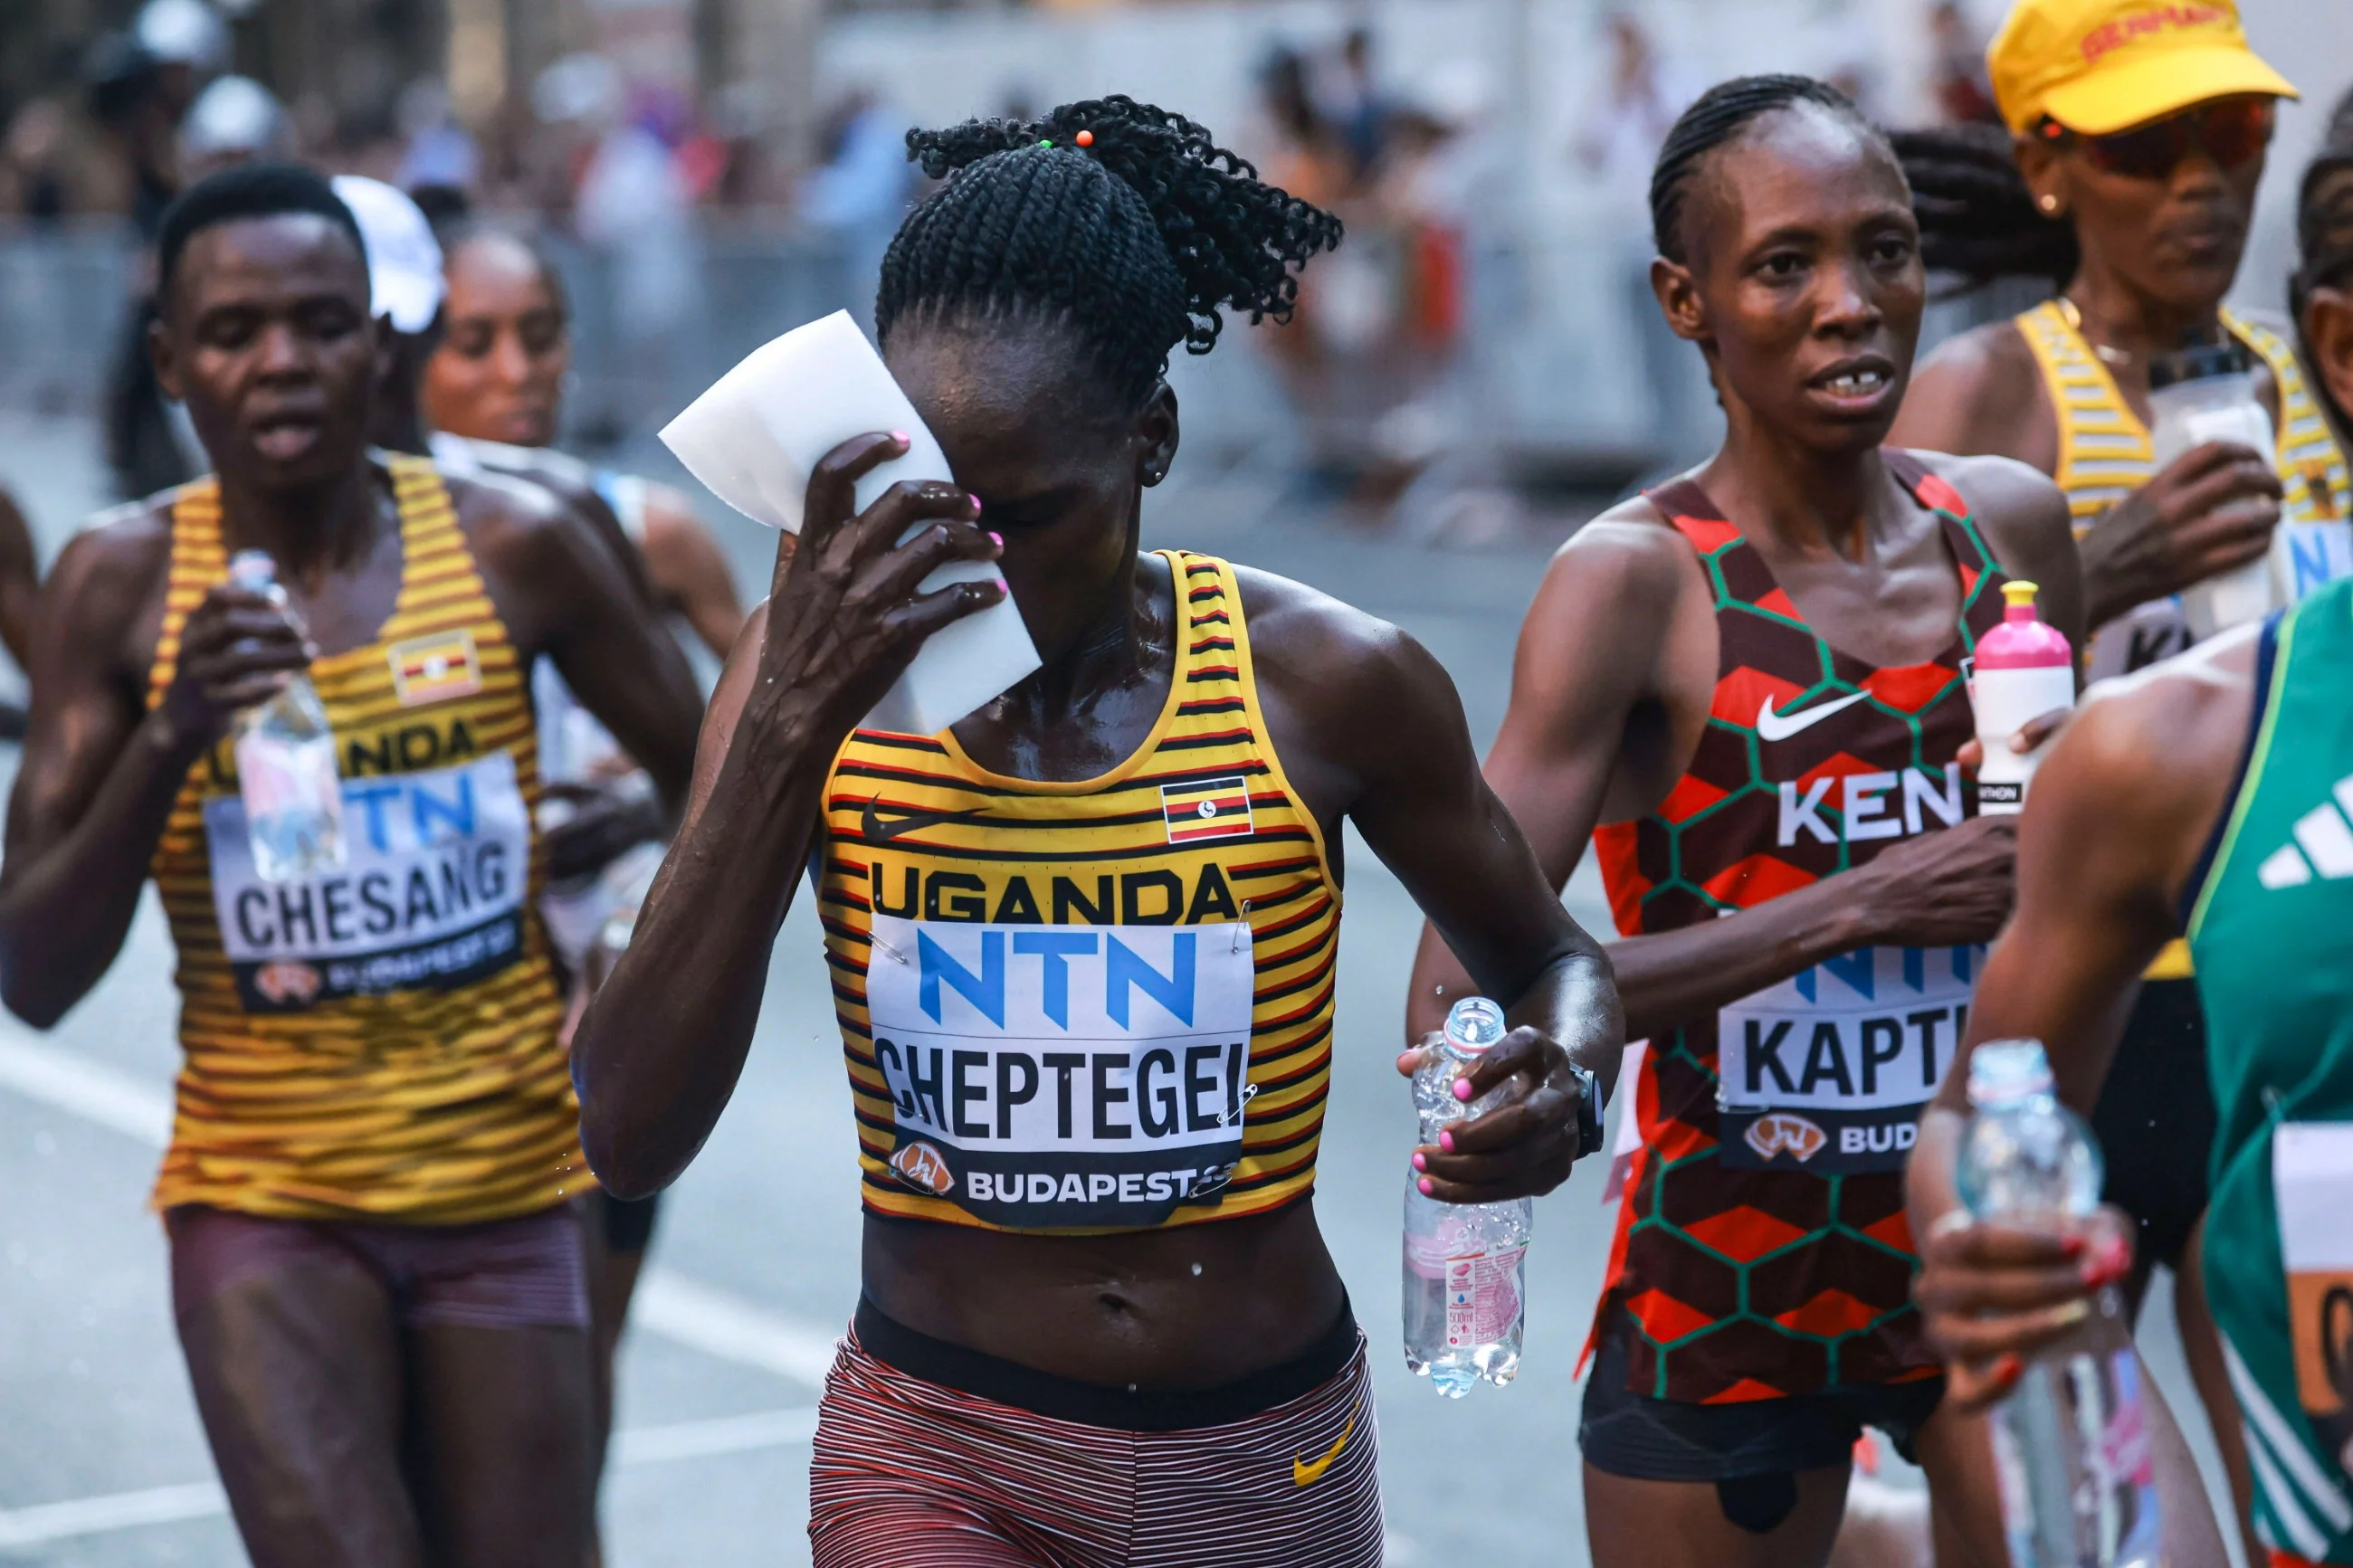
(102, 1463)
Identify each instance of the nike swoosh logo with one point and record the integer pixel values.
(1772, 726)
(1304, 1474)
(879, 829)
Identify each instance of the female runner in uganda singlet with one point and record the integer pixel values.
(379, 1041)
(1084, 940)
(1095, 1006)
(1763, 1223)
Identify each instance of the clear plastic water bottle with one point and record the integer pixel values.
(1464, 1263)
(2070, 1441)
(286, 763)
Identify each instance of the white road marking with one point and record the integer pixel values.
(719, 1324)
(49, 1522)
(687, 1311)
(45, 1522)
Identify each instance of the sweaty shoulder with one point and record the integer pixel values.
(2023, 514)
(110, 577)
(1629, 561)
(1347, 695)
(1980, 391)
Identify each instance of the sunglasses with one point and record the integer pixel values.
(2232, 132)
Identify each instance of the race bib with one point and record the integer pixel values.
(2312, 1172)
(1050, 1077)
(1828, 1071)
(430, 895)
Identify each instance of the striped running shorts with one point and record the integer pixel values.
(913, 1472)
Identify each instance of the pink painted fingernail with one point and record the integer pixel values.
(1420, 1162)
(1426, 1188)
(1446, 1141)
(975, 503)
(1461, 1089)
(902, 437)
(998, 539)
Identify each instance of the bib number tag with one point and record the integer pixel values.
(1829, 1070)
(1060, 1076)
(430, 895)
(2311, 555)
(2312, 1171)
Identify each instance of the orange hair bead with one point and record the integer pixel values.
(1085, 139)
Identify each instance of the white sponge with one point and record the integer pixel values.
(753, 438)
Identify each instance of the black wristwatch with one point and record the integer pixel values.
(1588, 1111)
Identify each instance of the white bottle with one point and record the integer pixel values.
(2019, 671)
(1465, 1264)
(2198, 395)
(2070, 1441)
(286, 763)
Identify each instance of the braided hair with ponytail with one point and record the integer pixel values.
(1120, 221)
(1977, 219)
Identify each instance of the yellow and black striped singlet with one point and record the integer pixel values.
(2105, 454)
(1099, 1006)
(377, 1041)
(2104, 448)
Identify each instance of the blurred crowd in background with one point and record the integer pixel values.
(711, 172)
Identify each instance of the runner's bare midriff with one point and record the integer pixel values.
(1194, 1306)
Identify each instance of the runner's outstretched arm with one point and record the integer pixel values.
(1383, 715)
(100, 769)
(659, 1051)
(2119, 815)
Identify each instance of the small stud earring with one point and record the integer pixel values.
(2048, 202)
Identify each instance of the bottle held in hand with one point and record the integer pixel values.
(2197, 393)
(2021, 670)
(1465, 1264)
(286, 763)
(2070, 1440)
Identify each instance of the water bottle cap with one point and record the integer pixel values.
(2018, 595)
(1473, 1024)
(252, 569)
(2004, 1070)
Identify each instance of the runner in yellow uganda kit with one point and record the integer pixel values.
(375, 1043)
(377, 1267)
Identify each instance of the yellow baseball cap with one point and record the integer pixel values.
(2097, 66)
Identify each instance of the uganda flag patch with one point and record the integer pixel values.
(435, 668)
(1211, 808)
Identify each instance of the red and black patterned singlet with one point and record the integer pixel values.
(1762, 1249)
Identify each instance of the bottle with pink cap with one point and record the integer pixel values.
(2023, 668)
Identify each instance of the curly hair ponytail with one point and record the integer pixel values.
(1138, 239)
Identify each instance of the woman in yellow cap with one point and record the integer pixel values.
(2128, 177)
(2212, 786)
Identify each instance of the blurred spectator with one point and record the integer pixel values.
(439, 151)
(860, 192)
(234, 120)
(1305, 157)
(1352, 102)
(32, 163)
(1624, 127)
(1958, 69)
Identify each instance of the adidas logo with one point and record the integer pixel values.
(2323, 847)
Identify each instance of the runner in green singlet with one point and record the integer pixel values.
(2210, 794)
